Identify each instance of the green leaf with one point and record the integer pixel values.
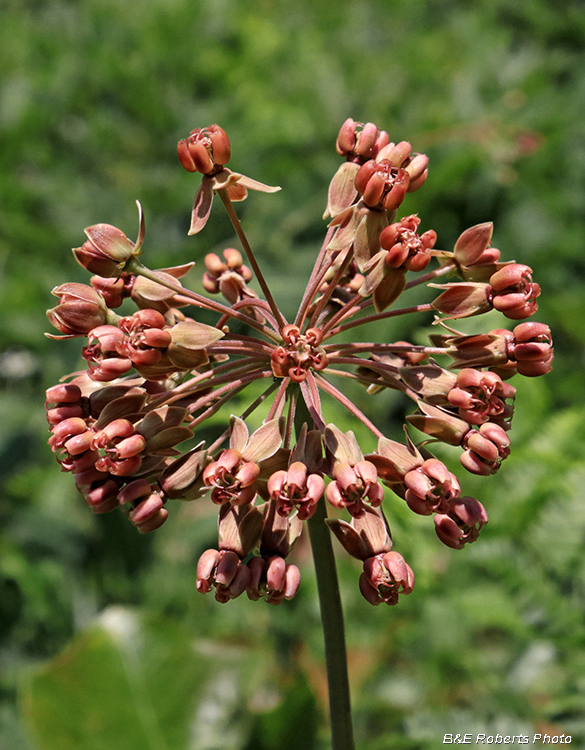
(132, 683)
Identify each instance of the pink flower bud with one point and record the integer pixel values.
(79, 444)
(63, 394)
(135, 490)
(80, 309)
(98, 495)
(486, 448)
(240, 582)
(106, 250)
(463, 299)
(386, 576)
(532, 349)
(206, 565)
(463, 523)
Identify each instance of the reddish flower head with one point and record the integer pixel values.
(405, 247)
(206, 150)
(514, 292)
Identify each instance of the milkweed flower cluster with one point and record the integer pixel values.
(127, 426)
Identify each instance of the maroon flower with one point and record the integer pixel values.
(382, 184)
(485, 449)
(155, 376)
(431, 487)
(386, 576)
(354, 485)
(206, 150)
(405, 247)
(296, 489)
(513, 291)
(232, 478)
(481, 397)
(462, 524)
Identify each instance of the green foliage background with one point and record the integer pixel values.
(104, 642)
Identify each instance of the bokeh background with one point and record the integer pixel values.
(104, 642)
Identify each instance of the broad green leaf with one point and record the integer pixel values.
(131, 683)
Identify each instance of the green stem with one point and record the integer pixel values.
(331, 616)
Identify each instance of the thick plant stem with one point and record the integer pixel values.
(331, 615)
(333, 631)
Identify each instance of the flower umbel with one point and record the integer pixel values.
(125, 427)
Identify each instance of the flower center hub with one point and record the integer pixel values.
(299, 353)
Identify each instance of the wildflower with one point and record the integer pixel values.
(462, 524)
(207, 150)
(513, 291)
(127, 426)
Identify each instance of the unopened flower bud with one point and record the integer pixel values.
(106, 250)
(472, 243)
(80, 309)
(485, 449)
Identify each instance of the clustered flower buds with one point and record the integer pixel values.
(124, 427)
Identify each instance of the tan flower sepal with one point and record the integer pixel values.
(386, 283)
(189, 342)
(343, 446)
(236, 185)
(162, 429)
(342, 190)
(367, 238)
(309, 450)
(394, 460)
(279, 533)
(439, 424)
(462, 299)
(251, 184)
(374, 269)
(240, 528)
(390, 288)
(261, 444)
(201, 205)
(365, 536)
(119, 408)
(431, 382)
(347, 223)
(182, 478)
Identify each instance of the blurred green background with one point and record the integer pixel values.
(104, 642)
